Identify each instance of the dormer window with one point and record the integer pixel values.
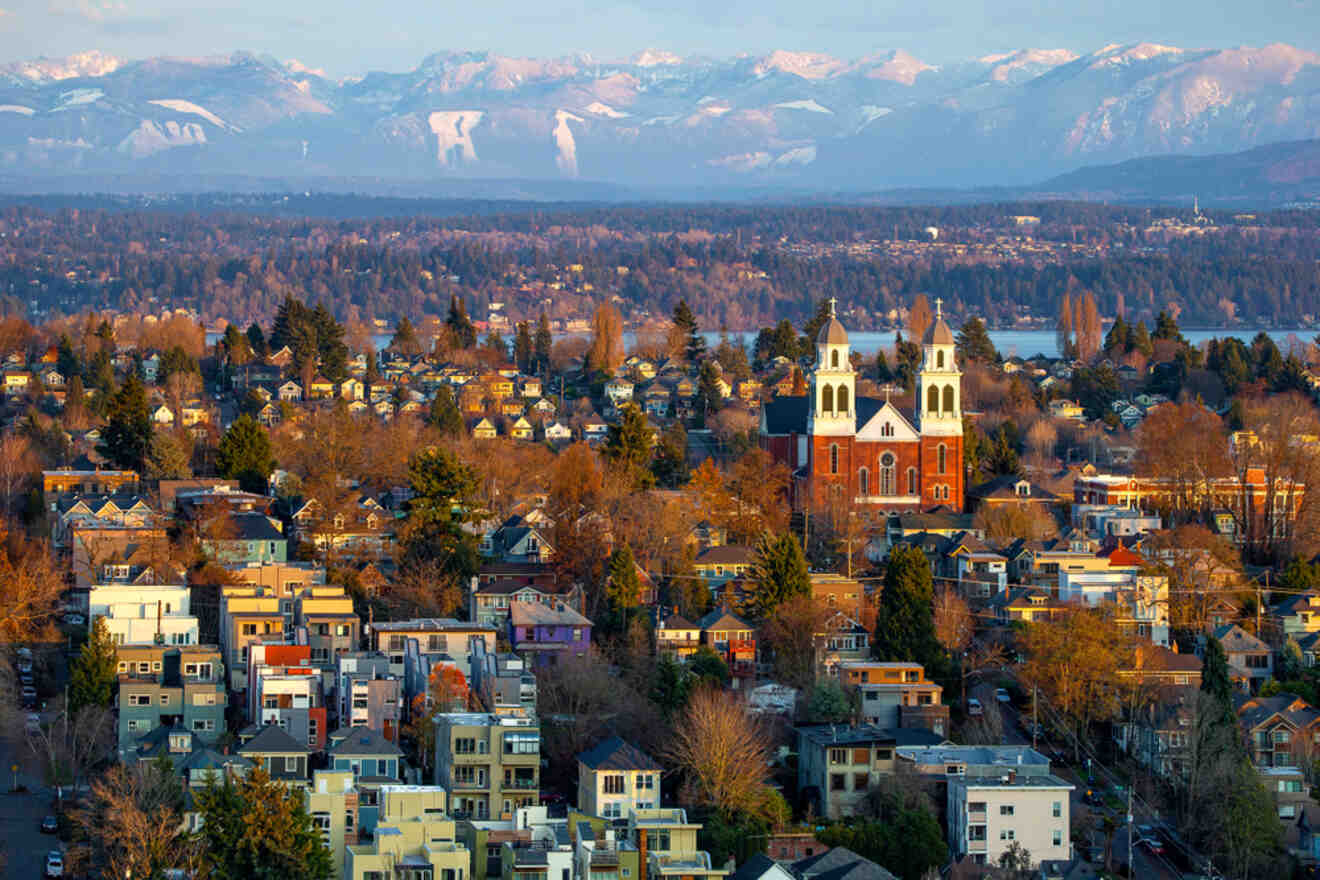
(1023, 489)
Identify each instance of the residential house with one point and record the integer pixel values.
(359, 529)
(326, 622)
(670, 843)
(244, 539)
(1250, 660)
(489, 764)
(895, 694)
(1011, 489)
(373, 760)
(1298, 616)
(290, 391)
(491, 599)
(676, 637)
(839, 593)
(284, 690)
(838, 863)
(482, 429)
(168, 687)
(521, 429)
(545, 633)
(615, 778)
(558, 433)
(1281, 731)
(283, 758)
(413, 840)
(1158, 733)
(1026, 604)
(367, 695)
(143, 614)
(90, 481)
(838, 765)
(246, 618)
(719, 565)
(734, 639)
(435, 635)
(332, 802)
(988, 814)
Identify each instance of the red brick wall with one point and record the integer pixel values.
(953, 471)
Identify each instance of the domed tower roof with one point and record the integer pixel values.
(938, 333)
(832, 333)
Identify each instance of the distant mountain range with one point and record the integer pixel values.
(786, 121)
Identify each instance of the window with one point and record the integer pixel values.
(1005, 809)
(887, 429)
(203, 725)
(976, 832)
(948, 400)
(834, 359)
(941, 459)
(291, 764)
(164, 699)
(887, 474)
(1058, 809)
(860, 781)
(1007, 834)
(838, 756)
(522, 744)
(661, 841)
(613, 784)
(884, 754)
(464, 746)
(320, 655)
(827, 400)
(139, 699)
(1058, 837)
(249, 629)
(976, 807)
(843, 400)
(612, 810)
(863, 482)
(834, 458)
(343, 629)
(933, 399)
(912, 481)
(939, 359)
(645, 781)
(836, 782)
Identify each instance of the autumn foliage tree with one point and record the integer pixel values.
(723, 753)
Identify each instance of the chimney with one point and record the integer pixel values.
(641, 854)
(1012, 775)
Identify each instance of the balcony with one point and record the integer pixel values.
(976, 846)
(520, 784)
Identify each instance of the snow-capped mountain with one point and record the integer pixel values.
(798, 118)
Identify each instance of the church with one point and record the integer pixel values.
(843, 448)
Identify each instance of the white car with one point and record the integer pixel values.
(974, 707)
(74, 619)
(54, 863)
(32, 722)
(25, 653)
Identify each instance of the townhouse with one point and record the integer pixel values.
(616, 778)
(489, 764)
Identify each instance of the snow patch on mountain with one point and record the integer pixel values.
(1007, 64)
(662, 120)
(897, 66)
(17, 108)
(600, 109)
(565, 145)
(453, 129)
(151, 137)
(656, 58)
(797, 156)
(79, 98)
(178, 105)
(83, 64)
(808, 65)
(809, 105)
(293, 65)
(1117, 55)
(743, 162)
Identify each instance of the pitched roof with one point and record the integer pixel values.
(273, 740)
(362, 741)
(722, 619)
(541, 614)
(840, 863)
(617, 754)
(726, 554)
(1235, 639)
(758, 866)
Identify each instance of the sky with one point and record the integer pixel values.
(347, 38)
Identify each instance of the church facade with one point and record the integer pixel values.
(864, 451)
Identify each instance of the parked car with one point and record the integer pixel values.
(32, 723)
(1092, 798)
(29, 694)
(974, 707)
(24, 665)
(26, 678)
(54, 863)
(73, 619)
(1152, 845)
(1002, 695)
(25, 653)
(49, 825)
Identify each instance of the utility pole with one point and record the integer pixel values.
(1131, 856)
(1035, 725)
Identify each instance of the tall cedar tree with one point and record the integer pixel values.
(404, 341)
(694, 346)
(92, 673)
(543, 343)
(257, 828)
(126, 438)
(974, 343)
(780, 573)
(670, 463)
(523, 355)
(1064, 329)
(443, 488)
(257, 339)
(495, 345)
(245, 454)
(629, 445)
(444, 415)
(905, 621)
(465, 335)
(709, 397)
(623, 591)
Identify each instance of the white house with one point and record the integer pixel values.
(144, 614)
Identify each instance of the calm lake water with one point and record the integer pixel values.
(1023, 343)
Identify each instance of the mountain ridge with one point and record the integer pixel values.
(783, 118)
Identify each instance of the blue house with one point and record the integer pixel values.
(543, 632)
(372, 759)
(248, 538)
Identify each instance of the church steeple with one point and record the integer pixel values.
(939, 381)
(833, 382)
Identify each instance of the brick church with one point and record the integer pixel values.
(841, 447)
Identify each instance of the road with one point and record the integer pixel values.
(1015, 732)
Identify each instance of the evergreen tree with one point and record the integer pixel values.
(176, 360)
(1117, 341)
(1167, 328)
(523, 355)
(1002, 457)
(444, 415)
(542, 344)
(245, 455)
(623, 591)
(404, 341)
(1139, 339)
(670, 463)
(257, 340)
(779, 571)
(330, 345)
(290, 314)
(495, 345)
(66, 361)
(972, 452)
(811, 329)
(372, 375)
(695, 344)
(1065, 329)
(629, 444)
(465, 335)
(974, 343)
(907, 355)
(126, 438)
(905, 621)
(257, 828)
(1215, 679)
(709, 397)
(92, 673)
(443, 488)
(883, 374)
(1268, 360)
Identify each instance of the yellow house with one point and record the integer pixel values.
(616, 778)
(321, 387)
(671, 844)
(332, 802)
(413, 839)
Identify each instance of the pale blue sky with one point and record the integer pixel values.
(352, 37)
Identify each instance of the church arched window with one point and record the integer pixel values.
(887, 474)
(933, 399)
(948, 400)
(843, 400)
(827, 399)
(834, 359)
(942, 454)
(912, 481)
(863, 482)
(939, 359)
(834, 458)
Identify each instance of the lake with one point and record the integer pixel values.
(1023, 343)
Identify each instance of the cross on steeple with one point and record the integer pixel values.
(938, 303)
(832, 301)
(887, 389)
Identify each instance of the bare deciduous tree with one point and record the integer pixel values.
(723, 750)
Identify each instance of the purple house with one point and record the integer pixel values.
(544, 632)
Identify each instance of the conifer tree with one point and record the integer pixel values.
(905, 622)
(245, 454)
(465, 335)
(523, 355)
(92, 673)
(974, 343)
(780, 573)
(126, 438)
(542, 344)
(444, 415)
